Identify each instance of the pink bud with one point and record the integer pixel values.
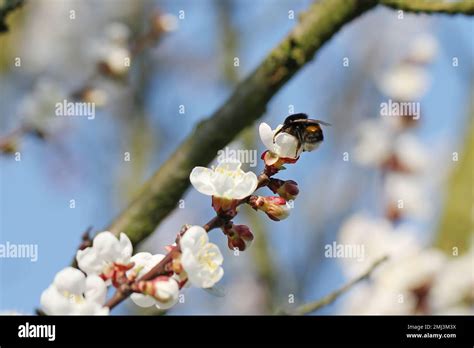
(161, 288)
(275, 207)
(286, 189)
(238, 236)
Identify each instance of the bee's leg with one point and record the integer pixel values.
(300, 137)
(298, 149)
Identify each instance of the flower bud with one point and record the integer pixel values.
(275, 207)
(286, 189)
(162, 23)
(238, 236)
(163, 289)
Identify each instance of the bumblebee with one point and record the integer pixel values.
(306, 130)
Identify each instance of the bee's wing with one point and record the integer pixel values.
(323, 123)
(312, 121)
(216, 290)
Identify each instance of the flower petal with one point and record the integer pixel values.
(145, 261)
(70, 280)
(245, 186)
(96, 289)
(126, 249)
(89, 261)
(223, 183)
(286, 145)
(212, 248)
(200, 178)
(55, 303)
(107, 246)
(143, 300)
(194, 236)
(168, 290)
(229, 164)
(266, 135)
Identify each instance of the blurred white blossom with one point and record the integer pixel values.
(379, 239)
(411, 153)
(423, 49)
(374, 142)
(117, 33)
(405, 82)
(407, 194)
(38, 108)
(453, 287)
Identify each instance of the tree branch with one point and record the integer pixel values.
(328, 299)
(8, 6)
(159, 196)
(432, 6)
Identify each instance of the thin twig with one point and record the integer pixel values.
(328, 299)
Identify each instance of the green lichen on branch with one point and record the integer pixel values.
(432, 6)
(161, 193)
(6, 7)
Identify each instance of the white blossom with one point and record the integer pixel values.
(406, 192)
(117, 33)
(367, 299)
(226, 180)
(411, 153)
(412, 271)
(72, 293)
(283, 145)
(405, 82)
(200, 259)
(378, 239)
(167, 290)
(373, 143)
(453, 288)
(106, 250)
(423, 48)
(168, 22)
(393, 289)
(38, 109)
(115, 58)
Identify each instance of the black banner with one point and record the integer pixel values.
(165, 330)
